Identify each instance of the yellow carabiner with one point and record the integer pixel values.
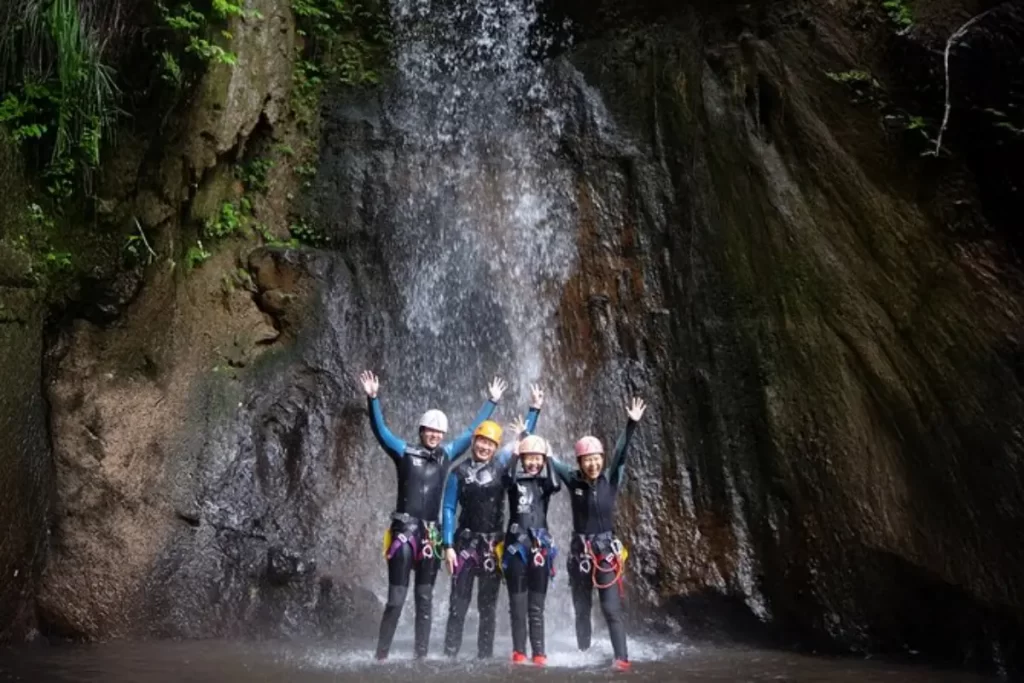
(499, 555)
(619, 548)
(387, 542)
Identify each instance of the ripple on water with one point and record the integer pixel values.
(562, 654)
(232, 662)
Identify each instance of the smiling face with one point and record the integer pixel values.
(430, 438)
(532, 462)
(483, 449)
(591, 465)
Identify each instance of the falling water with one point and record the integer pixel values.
(483, 237)
(478, 238)
(486, 231)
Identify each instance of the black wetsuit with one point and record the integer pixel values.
(592, 553)
(477, 490)
(527, 542)
(414, 528)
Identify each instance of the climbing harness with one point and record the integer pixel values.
(532, 545)
(478, 549)
(424, 538)
(609, 558)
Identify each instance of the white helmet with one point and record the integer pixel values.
(533, 445)
(434, 419)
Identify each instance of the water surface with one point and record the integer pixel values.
(232, 662)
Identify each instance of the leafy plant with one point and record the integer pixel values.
(345, 41)
(36, 239)
(863, 85)
(853, 76)
(254, 174)
(193, 37)
(231, 218)
(60, 93)
(196, 255)
(899, 13)
(303, 233)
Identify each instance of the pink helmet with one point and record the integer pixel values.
(588, 445)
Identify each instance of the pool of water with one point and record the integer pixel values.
(234, 662)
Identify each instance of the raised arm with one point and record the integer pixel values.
(460, 443)
(504, 454)
(617, 466)
(509, 475)
(552, 483)
(451, 504)
(536, 401)
(394, 446)
(520, 429)
(562, 470)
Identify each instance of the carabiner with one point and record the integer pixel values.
(489, 565)
(428, 552)
(617, 546)
(585, 565)
(538, 558)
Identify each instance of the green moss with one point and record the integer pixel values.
(344, 41)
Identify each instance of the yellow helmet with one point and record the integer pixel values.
(489, 429)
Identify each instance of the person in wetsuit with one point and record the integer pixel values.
(529, 555)
(595, 554)
(477, 488)
(415, 539)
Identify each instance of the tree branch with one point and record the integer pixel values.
(957, 35)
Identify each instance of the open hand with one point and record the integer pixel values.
(536, 396)
(371, 385)
(517, 427)
(496, 388)
(449, 559)
(636, 409)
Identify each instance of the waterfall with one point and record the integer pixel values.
(481, 240)
(473, 214)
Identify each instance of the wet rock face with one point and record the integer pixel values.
(25, 470)
(837, 438)
(198, 455)
(198, 474)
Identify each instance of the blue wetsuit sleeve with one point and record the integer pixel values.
(451, 503)
(504, 454)
(617, 467)
(561, 469)
(459, 445)
(394, 446)
(531, 420)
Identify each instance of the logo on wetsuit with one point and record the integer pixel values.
(480, 476)
(525, 499)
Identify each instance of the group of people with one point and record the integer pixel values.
(479, 547)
